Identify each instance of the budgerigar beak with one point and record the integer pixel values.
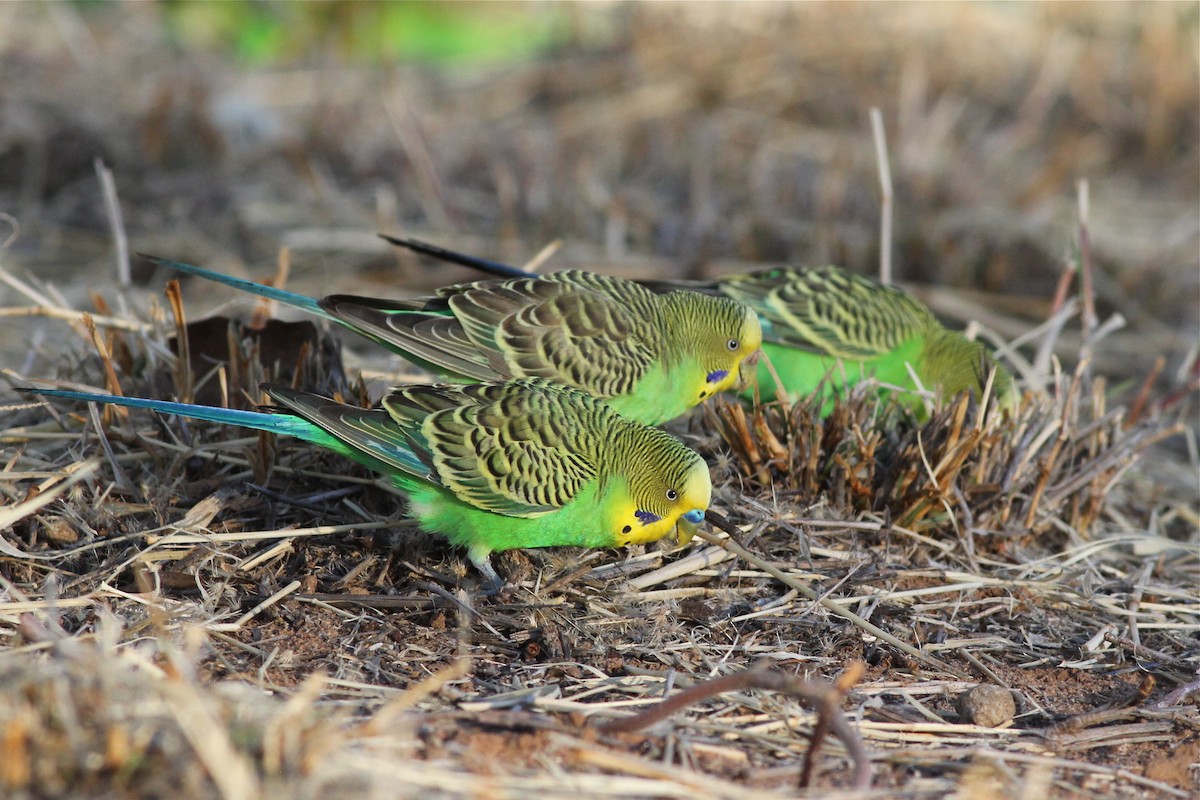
(688, 524)
(747, 370)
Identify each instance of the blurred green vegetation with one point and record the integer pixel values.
(268, 33)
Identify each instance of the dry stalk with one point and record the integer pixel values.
(823, 697)
(730, 544)
(110, 374)
(183, 364)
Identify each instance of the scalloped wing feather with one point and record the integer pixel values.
(431, 336)
(831, 311)
(561, 331)
(371, 431)
(509, 449)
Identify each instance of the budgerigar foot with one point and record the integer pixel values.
(493, 582)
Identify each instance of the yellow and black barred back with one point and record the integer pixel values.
(530, 446)
(561, 330)
(640, 301)
(598, 334)
(832, 311)
(681, 324)
(593, 332)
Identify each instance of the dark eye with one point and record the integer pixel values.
(732, 344)
(672, 495)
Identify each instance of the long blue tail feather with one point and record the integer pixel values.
(384, 450)
(299, 301)
(485, 265)
(287, 424)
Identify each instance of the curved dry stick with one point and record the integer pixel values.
(823, 697)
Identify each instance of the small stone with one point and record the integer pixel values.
(694, 609)
(60, 531)
(986, 705)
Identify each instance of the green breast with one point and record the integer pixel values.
(661, 395)
(801, 371)
(580, 523)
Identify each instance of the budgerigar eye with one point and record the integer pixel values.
(732, 344)
(672, 495)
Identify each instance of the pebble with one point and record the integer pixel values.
(986, 705)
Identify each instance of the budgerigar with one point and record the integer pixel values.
(824, 324)
(650, 355)
(828, 324)
(495, 466)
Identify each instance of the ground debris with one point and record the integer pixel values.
(191, 611)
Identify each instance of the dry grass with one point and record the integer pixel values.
(159, 601)
(197, 612)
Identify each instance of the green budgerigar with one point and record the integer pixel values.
(827, 324)
(495, 466)
(824, 326)
(650, 355)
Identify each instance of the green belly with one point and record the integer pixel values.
(801, 372)
(579, 523)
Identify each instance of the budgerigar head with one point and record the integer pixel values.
(723, 336)
(665, 488)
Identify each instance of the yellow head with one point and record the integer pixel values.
(722, 336)
(666, 486)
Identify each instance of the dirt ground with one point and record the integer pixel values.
(191, 611)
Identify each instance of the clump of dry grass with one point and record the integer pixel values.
(84, 716)
(965, 474)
